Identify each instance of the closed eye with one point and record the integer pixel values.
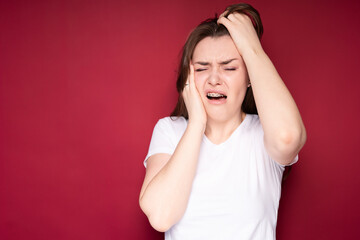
(200, 69)
(230, 69)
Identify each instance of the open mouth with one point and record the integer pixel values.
(216, 96)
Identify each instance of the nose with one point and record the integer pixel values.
(214, 78)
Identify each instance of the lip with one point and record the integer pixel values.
(215, 101)
(214, 91)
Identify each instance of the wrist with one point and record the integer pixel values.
(252, 52)
(196, 126)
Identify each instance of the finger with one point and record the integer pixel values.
(232, 17)
(224, 21)
(187, 83)
(244, 17)
(223, 14)
(191, 77)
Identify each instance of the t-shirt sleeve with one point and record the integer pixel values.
(293, 161)
(161, 140)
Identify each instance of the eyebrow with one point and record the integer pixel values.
(221, 63)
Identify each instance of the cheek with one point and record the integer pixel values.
(238, 85)
(238, 79)
(200, 80)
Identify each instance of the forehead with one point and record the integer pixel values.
(215, 49)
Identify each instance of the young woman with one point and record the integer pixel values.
(214, 168)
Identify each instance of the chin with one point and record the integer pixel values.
(218, 115)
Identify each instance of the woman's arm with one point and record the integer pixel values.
(284, 131)
(168, 181)
(166, 190)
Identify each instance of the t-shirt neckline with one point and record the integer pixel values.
(241, 125)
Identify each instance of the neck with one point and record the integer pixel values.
(219, 131)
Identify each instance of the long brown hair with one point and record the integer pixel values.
(210, 28)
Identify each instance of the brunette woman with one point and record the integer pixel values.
(214, 168)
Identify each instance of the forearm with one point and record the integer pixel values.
(166, 196)
(277, 109)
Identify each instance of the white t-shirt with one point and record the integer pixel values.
(236, 190)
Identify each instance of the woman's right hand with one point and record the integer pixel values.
(193, 102)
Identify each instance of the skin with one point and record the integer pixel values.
(219, 66)
(168, 180)
(284, 131)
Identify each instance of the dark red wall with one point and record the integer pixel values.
(82, 84)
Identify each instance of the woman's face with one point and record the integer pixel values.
(220, 77)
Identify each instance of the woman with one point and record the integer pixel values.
(215, 171)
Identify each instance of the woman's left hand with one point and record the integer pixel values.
(241, 31)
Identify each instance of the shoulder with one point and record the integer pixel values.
(172, 125)
(254, 128)
(172, 122)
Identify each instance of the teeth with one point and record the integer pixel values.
(215, 95)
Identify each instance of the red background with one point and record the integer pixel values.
(84, 82)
